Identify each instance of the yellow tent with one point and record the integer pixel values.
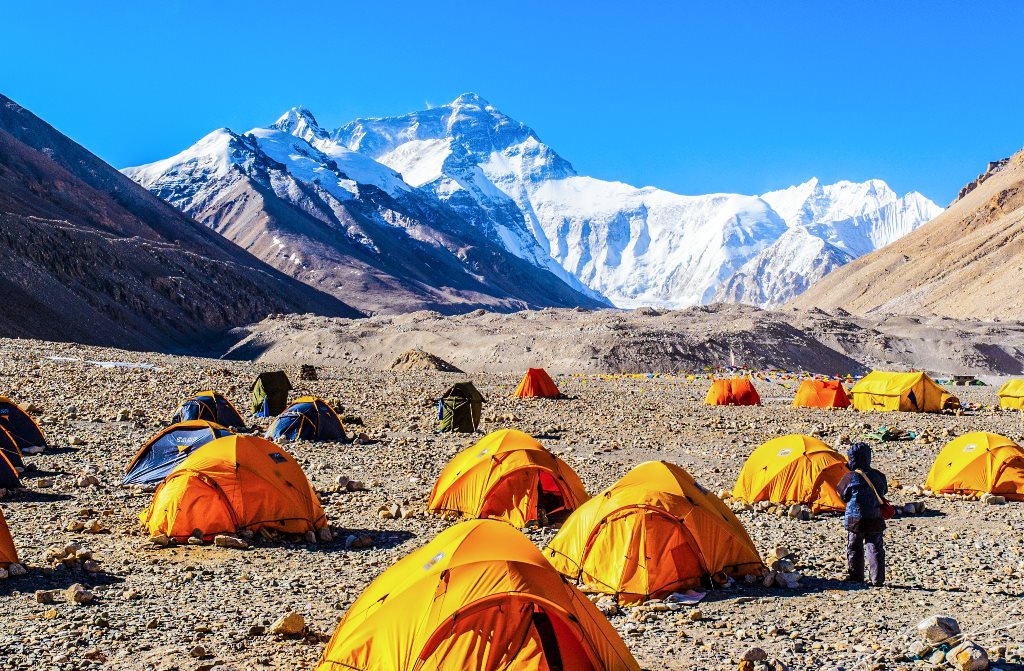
(1011, 395)
(907, 392)
(793, 469)
(976, 463)
(479, 596)
(507, 475)
(233, 483)
(8, 554)
(653, 532)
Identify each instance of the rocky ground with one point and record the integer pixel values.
(205, 607)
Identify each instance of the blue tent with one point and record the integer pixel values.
(208, 406)
(169, 448)
(308, 418)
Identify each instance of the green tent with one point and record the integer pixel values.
(270, 394)
(459, 408)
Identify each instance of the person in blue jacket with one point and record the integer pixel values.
(864, 522)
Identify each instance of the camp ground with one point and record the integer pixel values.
(633, 510)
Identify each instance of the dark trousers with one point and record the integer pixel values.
(856, 543)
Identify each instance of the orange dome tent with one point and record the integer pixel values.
(793, 469)
(734, 391)
(20, 425)
(653, 532)
(234, 483)
(479, 596)
(979, 463)
(507, 475)
(8, 553)
(537, 383)
(821, 394)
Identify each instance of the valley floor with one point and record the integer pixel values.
(153, 606)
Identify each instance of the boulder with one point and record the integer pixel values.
(290, 624)
(938, 629)
(968, 656)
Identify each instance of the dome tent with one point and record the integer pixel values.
(20, 425)
(653, 532)
(208, 406)
(537, 384)
(8, 553)
(308, 418)
(821, 394)
(234, 483)
(906, 392)
(507, 475)
(1011, 395)
(479, 596)
(793, 469)
(170, 447)
(734, 391)
(979, 463)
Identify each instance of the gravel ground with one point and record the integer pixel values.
(205, 607)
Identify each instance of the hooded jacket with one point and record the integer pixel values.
(861, 501)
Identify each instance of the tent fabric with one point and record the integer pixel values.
(732, 391)
(1011, 395)
(170, 447)
(10, 450)
(9, 474)
(8, 553)
(537, 384)
(20, 425)
(793, 469)
(234, 483)
(978, 463)
(906, 392)
(308, 418)
(821, 394)
(270, 393)
(460, 408)
(510, 476)
(654, 532)
(479, 596)
(208, 406)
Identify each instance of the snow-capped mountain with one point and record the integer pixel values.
(345, 223)
(635, 246)
(465, 174)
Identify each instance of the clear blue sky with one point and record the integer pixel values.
(692, 97)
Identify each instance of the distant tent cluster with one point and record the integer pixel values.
(19, 434)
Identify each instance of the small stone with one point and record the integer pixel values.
(44, 596)
(94, 526)
(257, 630)
(937, 629)
(163, 540)
(195, 540)
(17, 570)
(50, 614)
(75, 440)
(226, 541)
(993, 499)
(968, 656)
(90, 566)
(782, 552)
(44, 483)
(291, 624)
(198, 652)
(77, 594)
(695, 615)
(311, 537)
(75, 526)
(325, 535)
(755, 655)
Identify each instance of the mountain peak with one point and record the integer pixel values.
(300, 122)
(470, 98)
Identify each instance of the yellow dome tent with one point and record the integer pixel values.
(653, 532)
(978, 463)
(1011, 395)
(8, 553)
(793, 469)
(510, 476)
(479, 596)
(234, 483)
(907, 392)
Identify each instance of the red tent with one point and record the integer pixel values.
(537, 383)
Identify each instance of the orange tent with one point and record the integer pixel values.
(510, 476)
(234, 483)
(479, 596)
(537, 383)
(8, 554)
(734, 391)
(793, 469)
(979, 463)
(654, 532)
(821, 394)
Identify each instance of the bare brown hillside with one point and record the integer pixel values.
(964, 263)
